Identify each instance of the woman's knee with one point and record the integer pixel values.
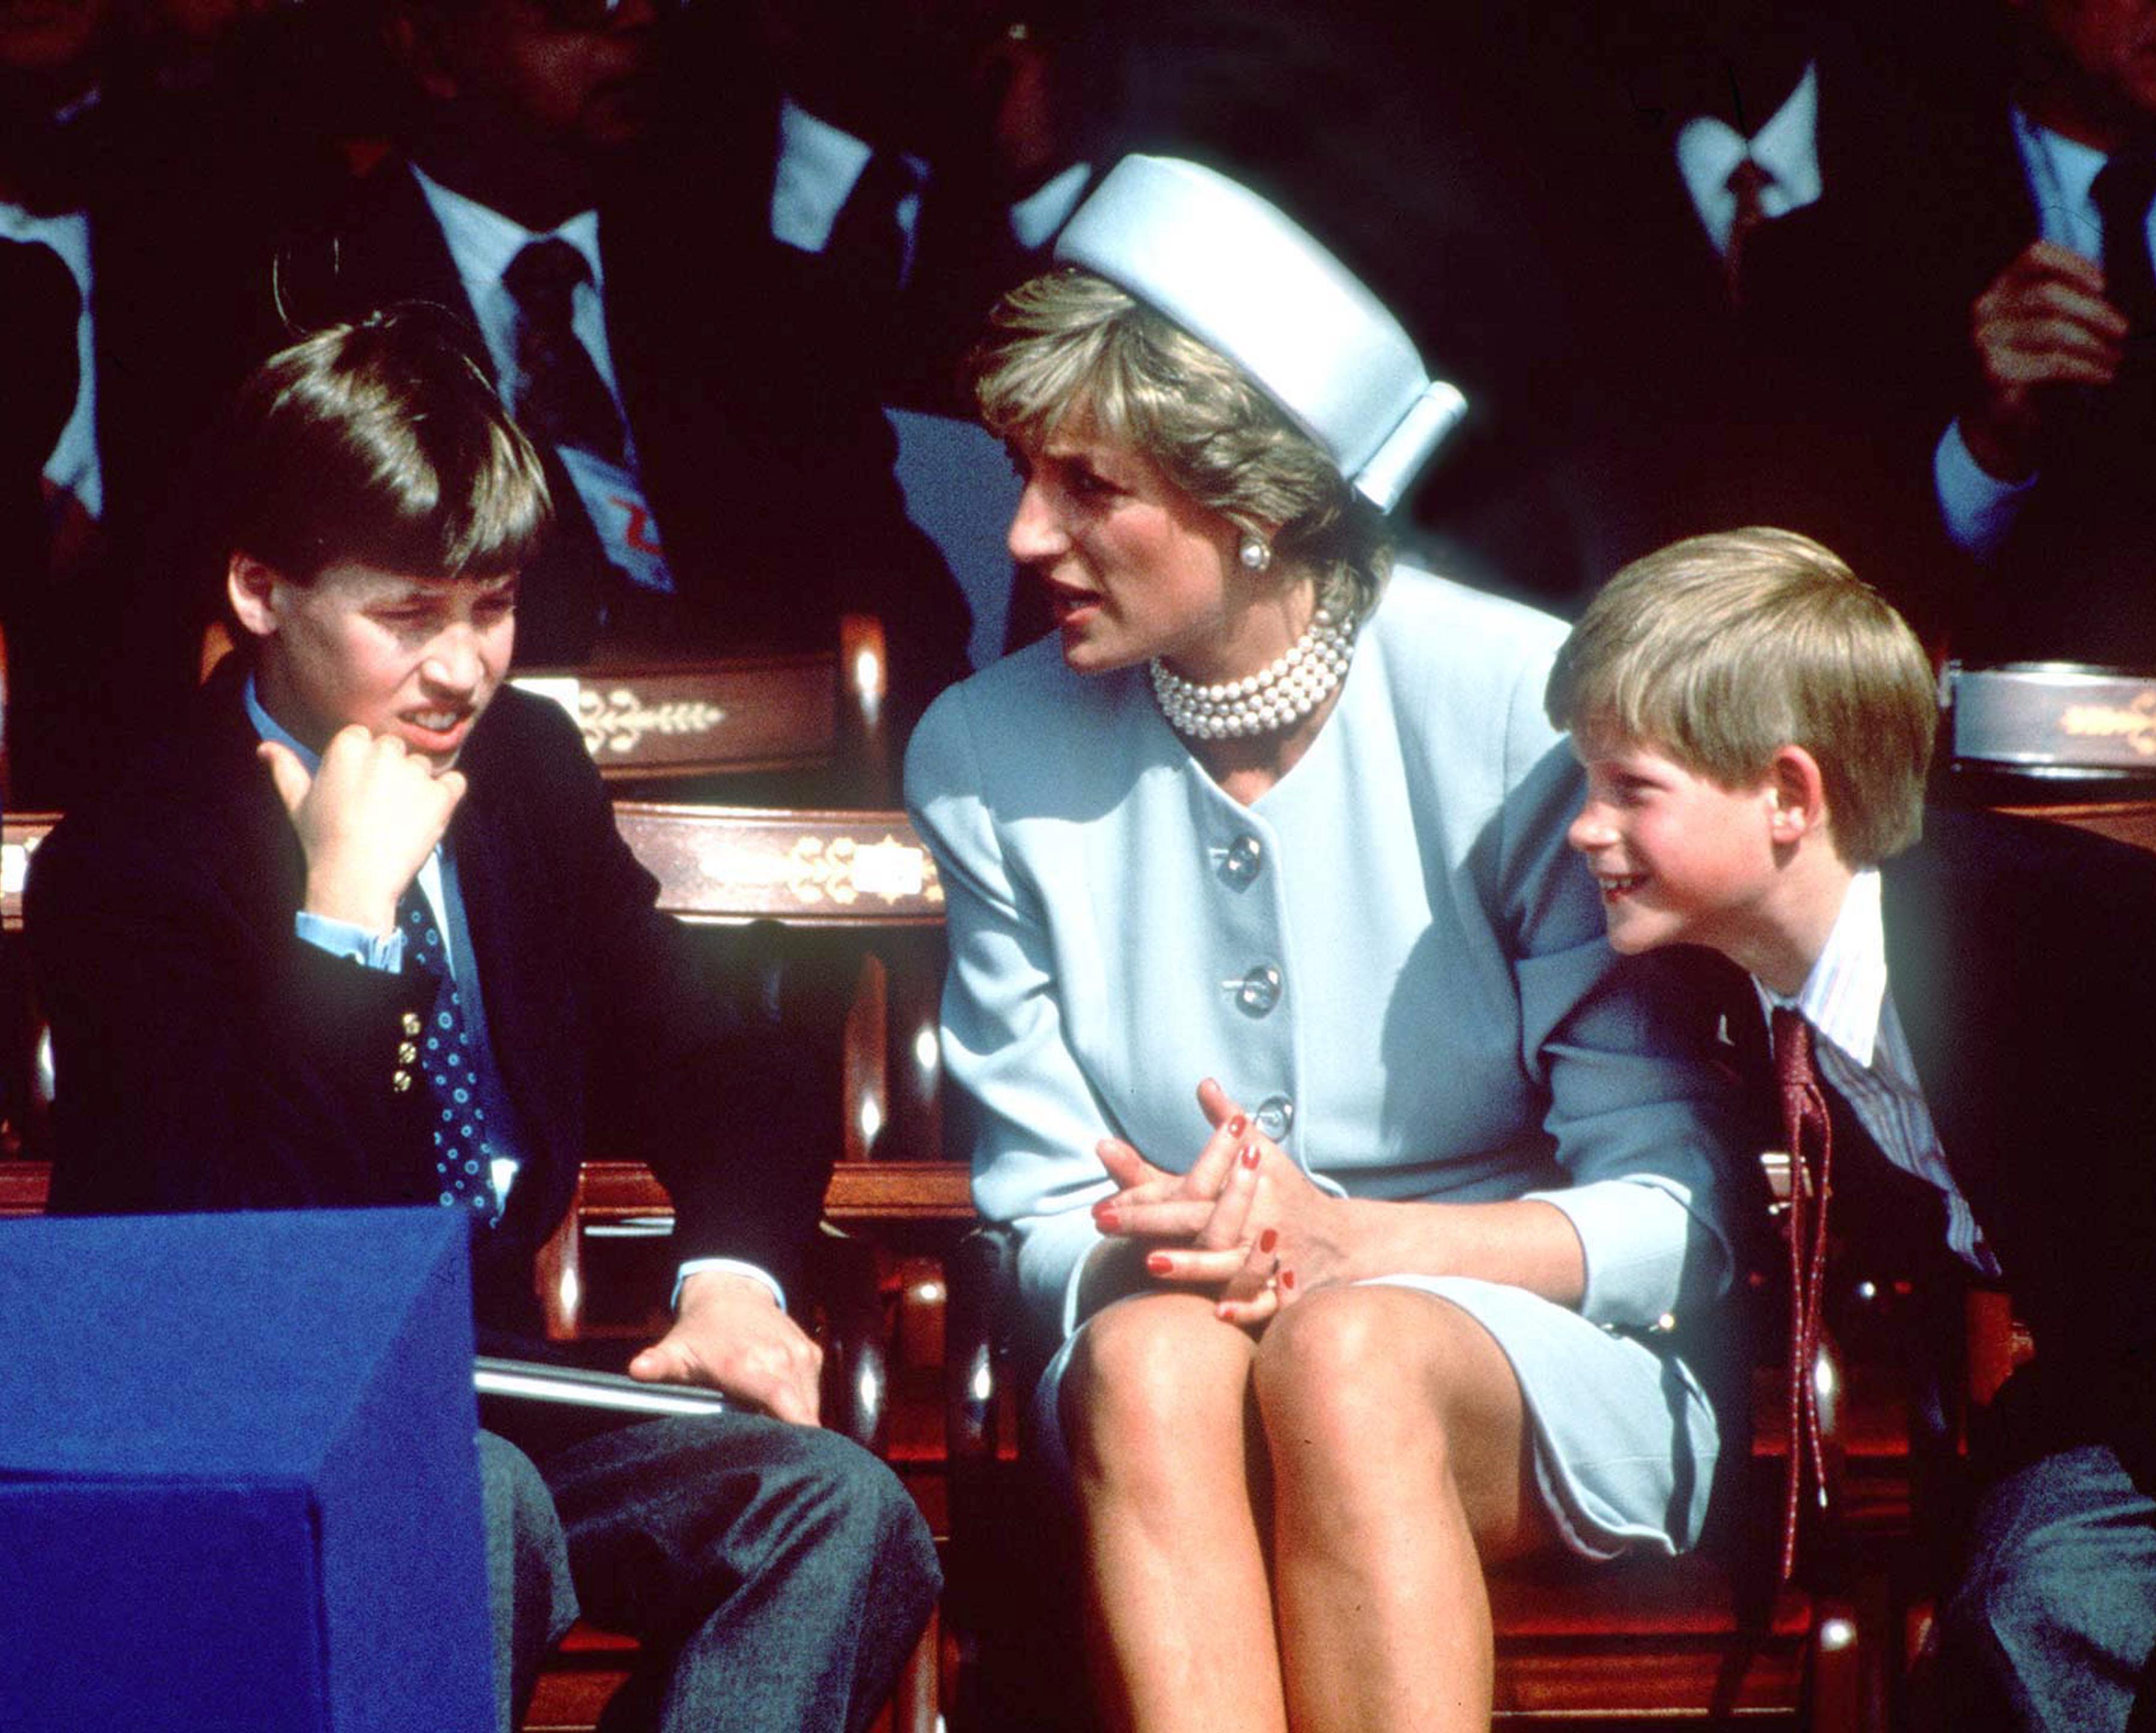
(1153, 1369)
(1345, 1357)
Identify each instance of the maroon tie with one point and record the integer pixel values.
(1747, 181)
(1810, 1137)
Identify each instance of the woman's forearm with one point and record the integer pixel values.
(1526, 1243)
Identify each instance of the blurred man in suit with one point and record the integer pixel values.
(722, 486)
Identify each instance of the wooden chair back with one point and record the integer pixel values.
(652, 722)
(864, 880)
(649, 722)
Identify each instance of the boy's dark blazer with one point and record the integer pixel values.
(768, 467)
(207, 1058)
(2021, 955)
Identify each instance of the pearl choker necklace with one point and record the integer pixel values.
(1274, 698)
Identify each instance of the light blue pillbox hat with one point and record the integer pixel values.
(1239, 276)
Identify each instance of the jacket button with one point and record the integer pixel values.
(407, 1052)
(412, 1024)
(1259, 991)
(400, 1081)
(1245, 858)
(1273, 1116)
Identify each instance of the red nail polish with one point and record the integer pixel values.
(1269, 1239)
(1249, 1156)
(1105, 1217)
(1159, 1262)
(1287, 1278)
(1235, 1126)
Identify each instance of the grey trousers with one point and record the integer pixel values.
(777, 1575)
(529, 1592)
(2053, 1622)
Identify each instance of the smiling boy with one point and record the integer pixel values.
(363, 933)
(1757, 727)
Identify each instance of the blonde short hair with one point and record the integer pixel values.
(1721, 650)
(1071, 347)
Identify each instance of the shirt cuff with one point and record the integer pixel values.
(1633, 1233)
(384, 951)
(727, 1266)
(1975, 507)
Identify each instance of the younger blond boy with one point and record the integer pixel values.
(1757, 727)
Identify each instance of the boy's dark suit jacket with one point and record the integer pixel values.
(2021, 956)
(209, 1059)
(768, 469)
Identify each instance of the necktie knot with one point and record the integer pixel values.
(542, 279)
(1794, 1066)
(1747, 181)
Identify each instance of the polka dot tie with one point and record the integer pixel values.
(463, 1159)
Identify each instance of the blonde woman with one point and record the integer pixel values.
(1357, 1183)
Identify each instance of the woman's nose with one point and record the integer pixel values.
(1036, 532)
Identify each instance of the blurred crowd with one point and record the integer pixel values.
(1876, 271)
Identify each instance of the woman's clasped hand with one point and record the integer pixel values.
(1244, 1222)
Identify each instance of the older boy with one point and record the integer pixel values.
(1755, 726)
(363, 933)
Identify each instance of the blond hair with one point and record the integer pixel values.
(1721, 650)
(1072, 349)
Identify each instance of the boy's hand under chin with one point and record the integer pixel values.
(366, 821)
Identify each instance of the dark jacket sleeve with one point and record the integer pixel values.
(206, 1057)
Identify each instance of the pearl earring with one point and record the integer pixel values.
(1255, 553)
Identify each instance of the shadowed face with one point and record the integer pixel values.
(2104, 55)
(568, 71)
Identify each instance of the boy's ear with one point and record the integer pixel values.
(1798, 792)
(251, 587)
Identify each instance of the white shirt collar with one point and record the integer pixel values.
(482, 241)
(1843, 995)
(818, 165)
(2062, 173)
(1787, 147)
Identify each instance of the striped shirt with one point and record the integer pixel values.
(1864, 1056)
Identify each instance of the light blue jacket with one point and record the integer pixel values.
(1392, 953)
